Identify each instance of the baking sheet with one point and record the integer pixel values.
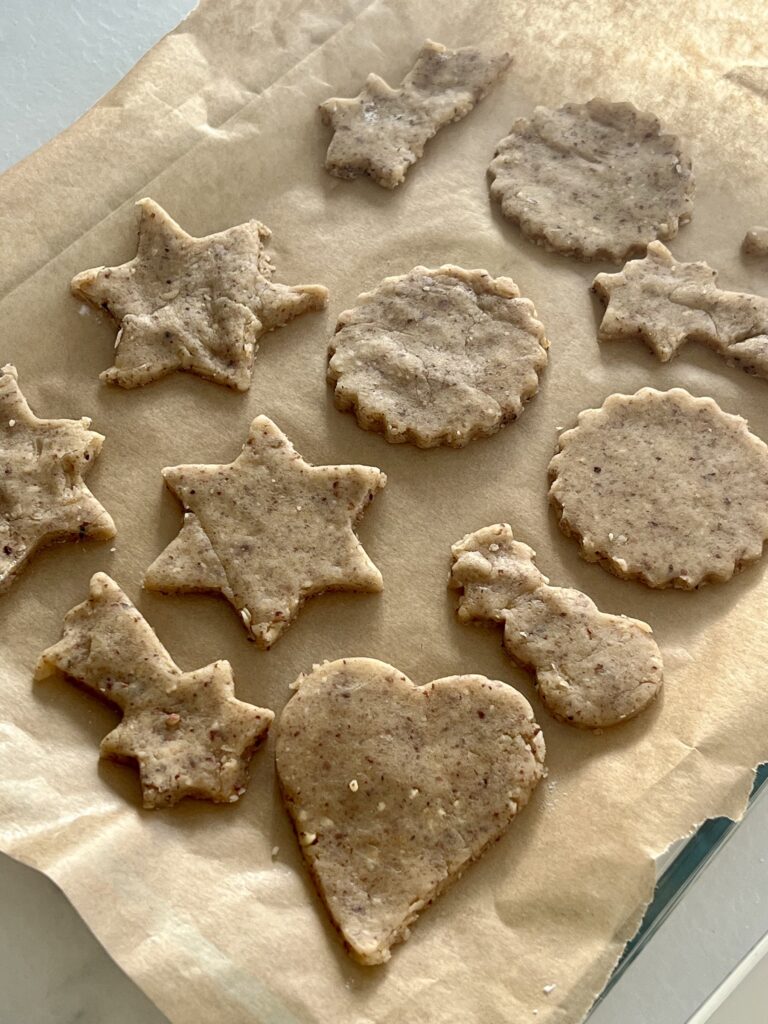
(218, 124)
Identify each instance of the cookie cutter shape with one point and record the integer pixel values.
(383, 131)
(196, 304)
(756, 242)
(663, 487)
(394, 789)
(437, 356)
(596, 180)
(43, 498)
(267, 531)
(665, 303)
(186, 731)
(592, 669)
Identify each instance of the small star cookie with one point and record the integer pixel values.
(197, 304)
(438, 356)
(42, 494)
(186, 730)
(594, 180)
(663, 487)
(383, 131)
(592, 669)
(394, 789)
(267, 531)
(666, 303)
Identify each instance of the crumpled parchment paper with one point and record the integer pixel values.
(218, 123)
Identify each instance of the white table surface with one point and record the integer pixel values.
(57, 57)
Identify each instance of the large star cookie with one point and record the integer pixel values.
(438, 356)
(267, 531)
(42, 494)
(383, 131)
(394, 789)
(592, 669)
(666, 303)
(594, 180)
(186, 730)
(663, 487)
(197, 304)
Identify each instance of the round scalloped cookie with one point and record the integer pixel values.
(663, 487)
(596, 180)
(437, 357)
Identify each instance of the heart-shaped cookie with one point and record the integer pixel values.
(395, 788)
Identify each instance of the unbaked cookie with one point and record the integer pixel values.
(186, 731)
(43, 498)
(594, 180)
(663, 487)
(437, 356)
(665, 303)
(383, 131)
(395, 788)
(197, 304)
(592, 669)
(267, 531)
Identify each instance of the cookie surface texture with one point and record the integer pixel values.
(437, 356)
(186, 730)
(665, 303)
(267, 531)
(663, 487)
(383, 131)
(592, 669)
(597, 180)
(43, 498)
(197, 304)
(395, 788)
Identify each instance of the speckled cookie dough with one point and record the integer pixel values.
(663, 487)
(594, 180)
(756, 242)
(383, 131)
(267, 531)
(395, 788)
(197, 304)
(437, 356)
(186, 731)
(592, 669)
(43, 498)
(665, 303)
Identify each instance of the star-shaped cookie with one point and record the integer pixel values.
(267, 531)
(383, 131)
(42, 494)
(186, 730)
(197, 304)
(665, 303)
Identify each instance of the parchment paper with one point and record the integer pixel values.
(218, 124)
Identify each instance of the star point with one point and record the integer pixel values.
(43, 497)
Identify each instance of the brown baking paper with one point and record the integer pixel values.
(219, 124)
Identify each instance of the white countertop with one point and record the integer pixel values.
(57, 57)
